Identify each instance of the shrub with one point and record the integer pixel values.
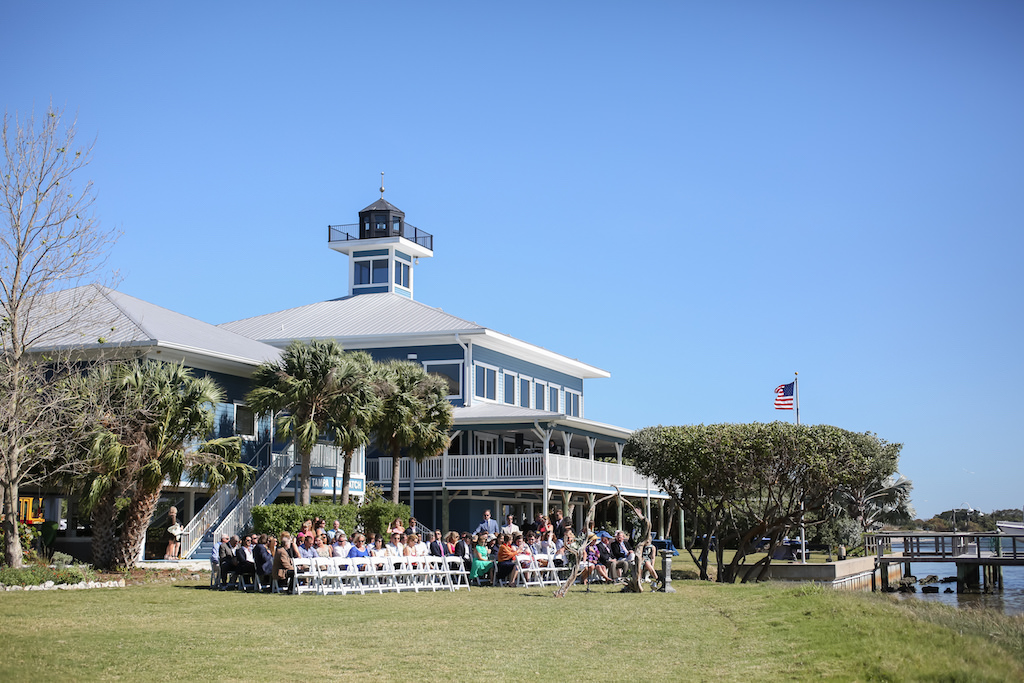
(374, 517)
(273, 519)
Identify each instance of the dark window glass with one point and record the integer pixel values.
(362, 272)
(451, 373)
(524, 393)
(480, 381)
(538, 390)
(510, 389)
(492, 384)
(245, 421)
(380, 271)
(553, 403)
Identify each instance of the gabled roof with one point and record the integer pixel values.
(106, 318)
(388, 319)
(385, 313)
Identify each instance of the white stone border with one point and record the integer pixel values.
(51, 586)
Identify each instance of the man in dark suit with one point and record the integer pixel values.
(437, 548)
(604, 550)
(228, 559)
(464, 549)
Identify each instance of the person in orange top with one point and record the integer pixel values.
(507, 560)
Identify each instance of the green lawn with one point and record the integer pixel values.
(704, 632)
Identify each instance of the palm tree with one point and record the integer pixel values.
(415, 415)
(354, 409)
(303, 386)
(148, 420)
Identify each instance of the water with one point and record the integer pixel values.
(1009, 601)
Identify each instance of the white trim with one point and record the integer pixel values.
(426, 366)
(484, 396)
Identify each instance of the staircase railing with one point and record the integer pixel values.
(197, 527)
(239, 516)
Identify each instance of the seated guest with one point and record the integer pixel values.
(481, 566)
(228, 559)
(396, 548)
(540, 524)
(622, 554)
(464, 549)
(421, 546)
(604, 548)
(332, 532)
(284, 570)
(307, 549)
(592, 564)
(322, 548)
(359, 548)
(264, 555)
(449, 542)
(510, 528)
(506, 560)
(396, 527)
(246, 565)
(341, 544)
(437, 546)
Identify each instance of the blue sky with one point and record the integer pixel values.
(701, 198)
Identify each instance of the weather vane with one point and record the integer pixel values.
(382, 184)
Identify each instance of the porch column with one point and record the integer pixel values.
(445, 526)
(190, 505)
(412, 487)
(682, 528)
(566, 440)
(661, 518)
(618, 513)
(547, 473)
(618, 451)
(590, 506)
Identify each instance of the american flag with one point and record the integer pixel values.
(784, 396)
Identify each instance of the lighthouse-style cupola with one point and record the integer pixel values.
(382, 249)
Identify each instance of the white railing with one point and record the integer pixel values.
(240, 517)
(504, 467)
(327, 456)
(197, 527)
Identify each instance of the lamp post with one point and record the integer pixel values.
(966, 507)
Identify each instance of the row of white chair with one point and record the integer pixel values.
(539, 570)
(344, 575)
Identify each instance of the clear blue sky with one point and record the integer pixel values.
(701, 198)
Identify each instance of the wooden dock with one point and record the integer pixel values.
(979, 556)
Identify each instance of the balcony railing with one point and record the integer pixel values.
(350, 231)
(508, 467)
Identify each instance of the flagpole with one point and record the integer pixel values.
(796, 395)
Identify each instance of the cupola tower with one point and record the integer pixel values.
(382, 248)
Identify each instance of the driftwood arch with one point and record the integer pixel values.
(574, 552)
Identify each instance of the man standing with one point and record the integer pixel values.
(559, 525)
(488, 526)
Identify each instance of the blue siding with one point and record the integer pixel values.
(369, 290)
(223, 420)
(404, 292)
(451, 352)
(370, 252)
(515, 365)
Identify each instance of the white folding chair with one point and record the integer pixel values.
(457, 572)
(328, 576)
(437, 576)
(529, 573)
(305, 576)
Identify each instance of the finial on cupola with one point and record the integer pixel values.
(382, 184)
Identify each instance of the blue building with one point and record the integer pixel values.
(521, 443)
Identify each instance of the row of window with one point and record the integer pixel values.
(520, 390)
(375, 272)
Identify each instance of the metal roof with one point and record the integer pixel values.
(385, 313)
(382, 205)
(106, 318)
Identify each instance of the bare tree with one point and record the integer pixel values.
(49, 241)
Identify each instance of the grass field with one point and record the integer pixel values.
(703, 632)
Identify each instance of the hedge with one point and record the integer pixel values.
(370, 518)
